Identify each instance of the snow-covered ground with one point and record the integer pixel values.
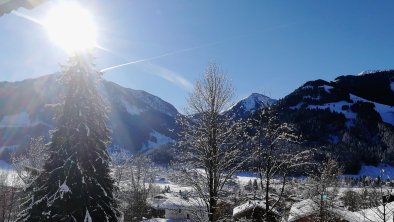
(244, 178)
(174, 187)
(162, 185)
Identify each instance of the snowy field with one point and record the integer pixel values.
(243, 178)
(173, 187)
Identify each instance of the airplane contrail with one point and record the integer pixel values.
(178, 51)
(27, 17)
(188, 49)
(156, 57)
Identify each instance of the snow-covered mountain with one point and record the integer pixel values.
(346, 105)
(248, 105)
(138, 120)
(352, 116)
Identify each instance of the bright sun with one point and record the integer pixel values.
(71, 27)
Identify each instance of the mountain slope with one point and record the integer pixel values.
(352, 117)
(138, 119)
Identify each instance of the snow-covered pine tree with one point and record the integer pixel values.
(75, 184)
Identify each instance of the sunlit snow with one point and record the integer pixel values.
(326, 88)
(386, 112)
(132, 110)
(157, 139)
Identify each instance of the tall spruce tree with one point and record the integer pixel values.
(75, 184)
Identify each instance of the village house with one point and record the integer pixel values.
(177, 207)
(306, 210)
(253, 210)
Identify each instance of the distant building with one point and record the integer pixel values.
(171, 206)
(253, 210)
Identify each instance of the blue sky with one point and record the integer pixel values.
(270, 47)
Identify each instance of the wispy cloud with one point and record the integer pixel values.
(168, 75)
(178, 51)
(155, 69)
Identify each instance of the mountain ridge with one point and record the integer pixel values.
(138, 120)
(351, 117)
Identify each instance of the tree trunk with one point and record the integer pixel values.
(212, 208)
(267, 206)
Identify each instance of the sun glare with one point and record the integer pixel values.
(71, 27)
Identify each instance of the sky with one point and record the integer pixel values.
(269, 47)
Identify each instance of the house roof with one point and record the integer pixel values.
(173, 202)
(250, 205)
(308, 207)
(159, 220)
(376, 213)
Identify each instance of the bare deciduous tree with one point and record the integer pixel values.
(209, 142)
(352, 200)
(9, 195)
(121, 163)
(277, 154)
(324, 189)
(29, 164)
(135, 176)
(378, 201)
